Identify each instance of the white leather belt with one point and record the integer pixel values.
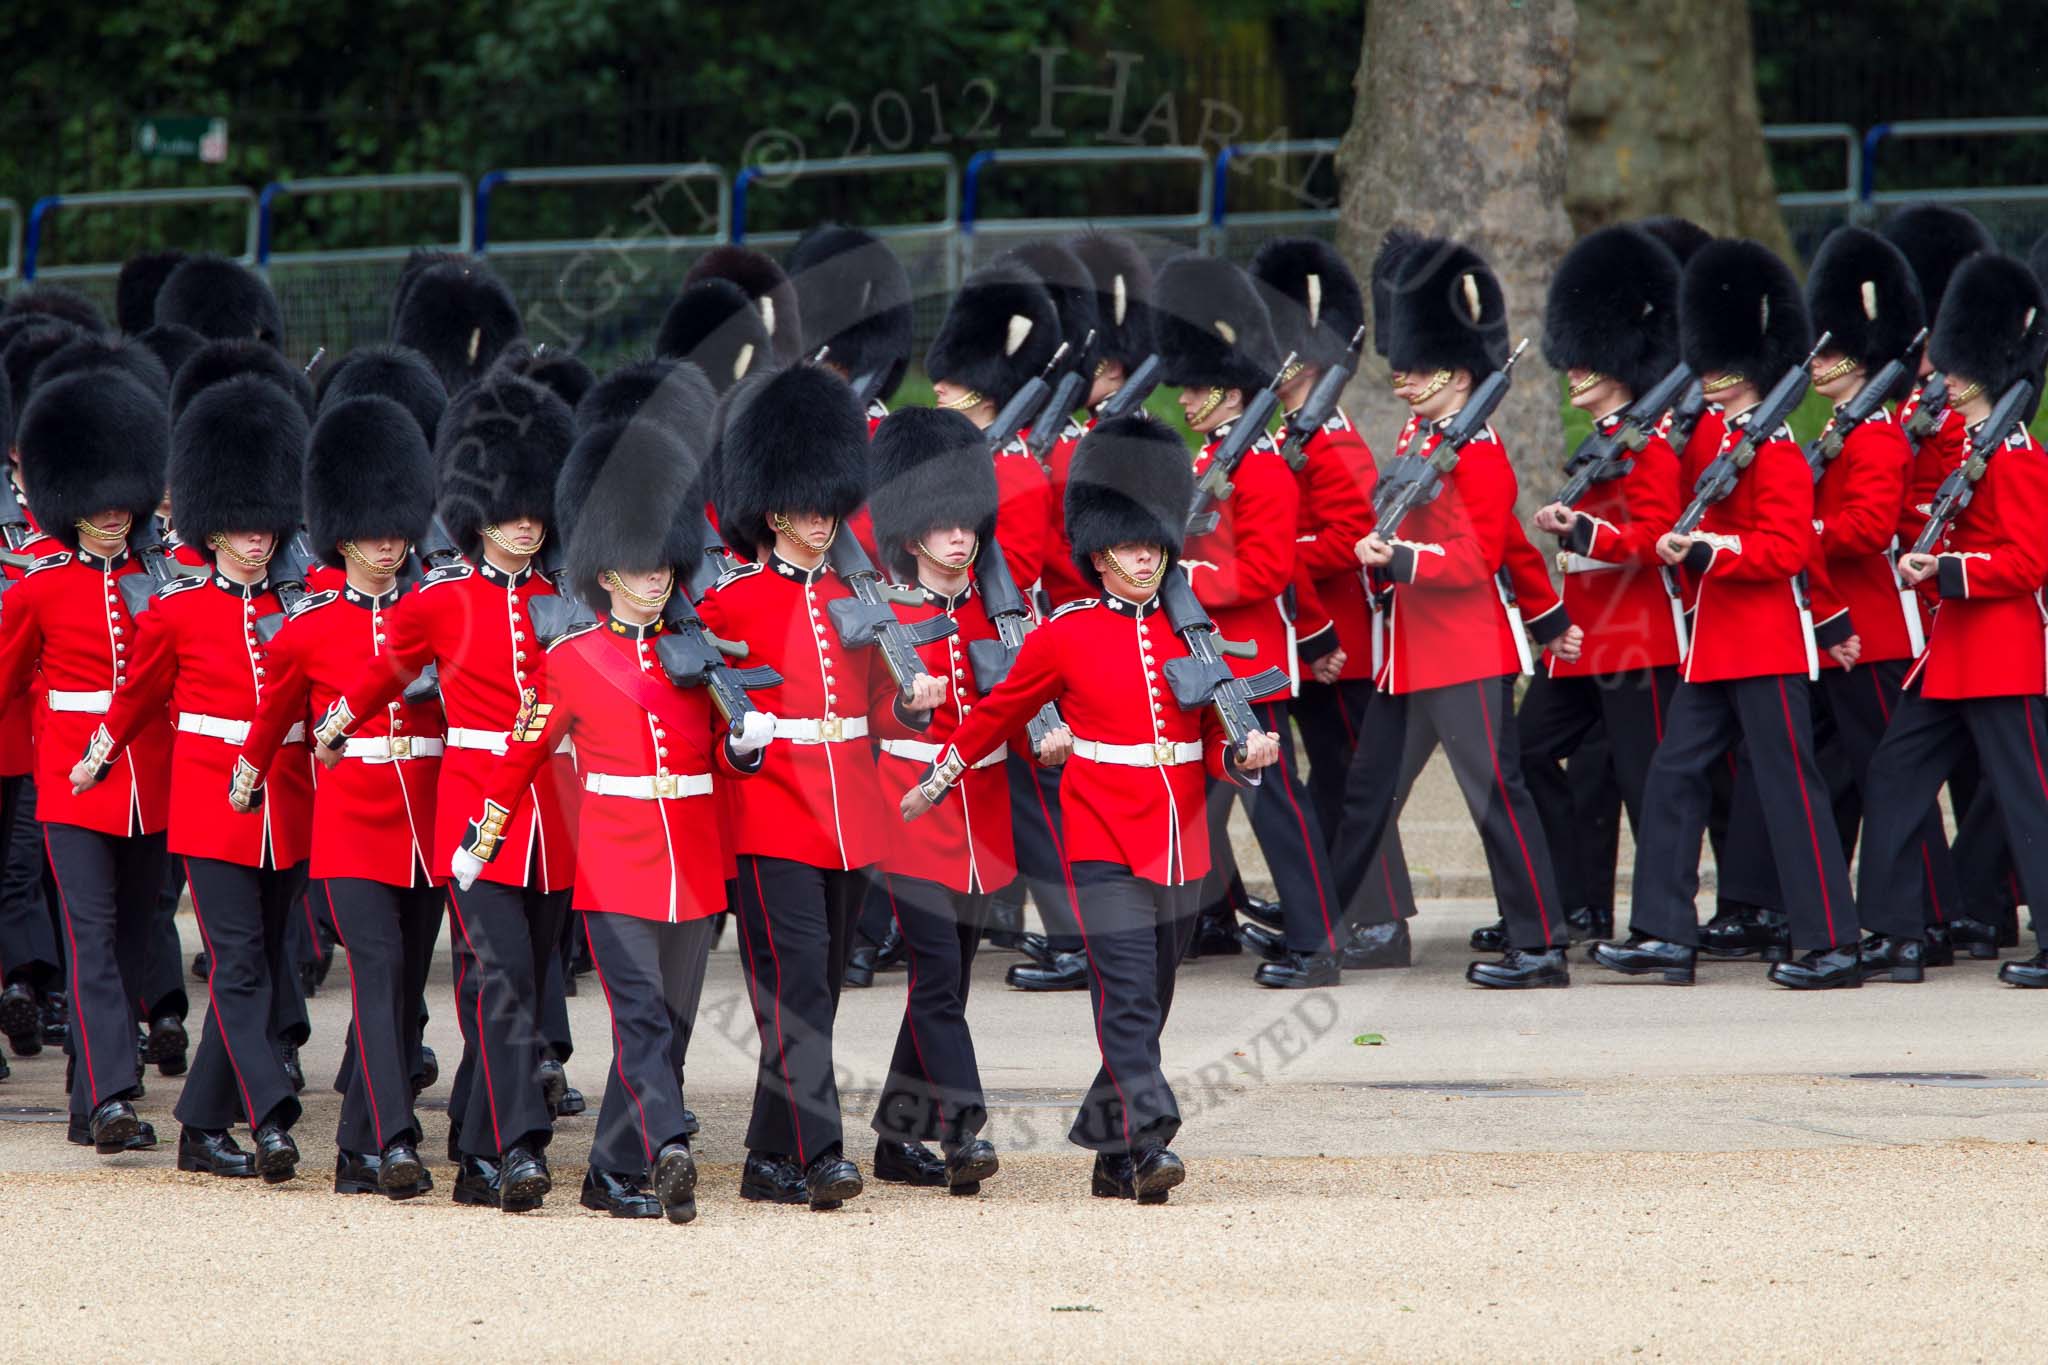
(660, 787)
(801, 730)
(1165, 754)
(461, 737)
(233, 731)
(1577, 563)
(92, 703)
(923, 751)
(390, 748)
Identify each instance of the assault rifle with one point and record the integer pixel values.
(1717, 480)
(1202, 678)
(1214, 486)
(1607, 455)
(1137, 388)
(1320, 404)
(1685, 416)
(1867, 403)
(1059, 409)
(1960, 486)
(866, 618)
(1929, 411)
(1415, 486)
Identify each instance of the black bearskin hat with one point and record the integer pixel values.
(58, 301)
(386, 371)
(1131, 483)
(1613, 309)
(498, 454)
(238, 460)
(221, 360)
(1323, 304)
(217, 298)
(715, 325)
(1123, 295)
(928, 469)
(459, 316)
(1740, 312)
(369, 474)
(790, 440)
(90, 442)
(1935, 240)
(1448, 310)
(683, 419)
(1211, 326)
(172, 345)
(1386, 272)
(660, 390)
(1680, 236)
(30, 345)
(1001, 329)
(856, 299)
(1862, 290)
(1993, 326)
(774, 297)
(639, 492)
(1072, 288)
(558, 369)
(417, 262)
(102, 353)
(141, 280)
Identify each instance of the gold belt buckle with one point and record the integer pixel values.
(1564, 561)
(1162, 754)
(401, 746)
(832, 729)
(665, 786)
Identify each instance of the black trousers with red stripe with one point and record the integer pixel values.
(1290, 836)
(1919, 748)
(796, 923)
(504, 936)
(388, 933)
(1558, 717)
(1863, 701)
(652, 975)
(1041, 846)
(243, 914)
(107, 888)
(1475, 724)
(29, 948)
(933, 1092)
(163, 963)
(1135, 933)
(1331, 716)
(1773, 715)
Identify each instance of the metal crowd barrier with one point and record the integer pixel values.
(1238, 236)
(44, 209)
(2015, 214)
(976, 229)
(1810, 215)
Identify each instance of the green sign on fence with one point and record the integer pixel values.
(183, 139)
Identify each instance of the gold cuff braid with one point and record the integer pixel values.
(99, 752)
(242, 787)
(486, 831)
(943, 776)
(334, 726)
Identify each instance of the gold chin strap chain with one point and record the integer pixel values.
(1965, 393)
(1101, 367)
(1209, 405)
(1293, 372)
(1433, 388)
(363, 561)
(1585, 385)
(219, 541)
(655, 603)
(1721, 383)
(968, 399)
(788, 532)
(1127, 576)
(1835, 371)
(497, 538)
(948, 565)
(87, 529)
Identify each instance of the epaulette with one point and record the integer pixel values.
(1015, 447)
(312, 601)
(49, 562)
(1075, 605)
(571, 633)
(183, 583)
(1072, 431)
(1337, 421)
(737, 572)
(446, 573)
(2017, 441)
(877, 408)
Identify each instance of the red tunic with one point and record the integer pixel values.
(67, 615)
(474, 623)
(1940, 453)
(1102, 661)
(196, 648)
(963, 844)
(1336, 487)
(652, 857)
(1859, 505)
(17, 743)
(373, 816)
(1988, 636)
(1023, 511)
(813, 802)
(1611, 584)
(1062, 581)
(1750, 547)
(1240, 569)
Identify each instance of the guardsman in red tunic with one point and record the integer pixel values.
(1453, 650)
(1137, 835)
(499, 450)
(792, 464)
(650, 872)
(1742, 325)
(1611, 326)
(1317, 305)
(369, 496)
(236, 460)
(1216, 345)
(93, 447)
(934, 503)
(1985, 669)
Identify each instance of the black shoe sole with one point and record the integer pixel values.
(859, 980)
(396, 1177)
(675, 1187)
(22, 1021)
(1905, 975)
(1047, 988)
(277, 1167)
(764, 1194)
(2020, 982)
(470, 1197)
(831, 1196)
(1673, 976)
(1520, 984)
(115, 1135)
(1849, 983)
(523, 1194)
(193, 1165)
(896, 1175)
(598, 1204)
(1152, 1189)
(967, 1179)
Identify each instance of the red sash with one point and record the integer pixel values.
(656, 696)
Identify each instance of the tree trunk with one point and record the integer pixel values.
(1664, 119)
(1459, 131)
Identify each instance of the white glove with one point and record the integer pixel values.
(756, 729)
(466, 868)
